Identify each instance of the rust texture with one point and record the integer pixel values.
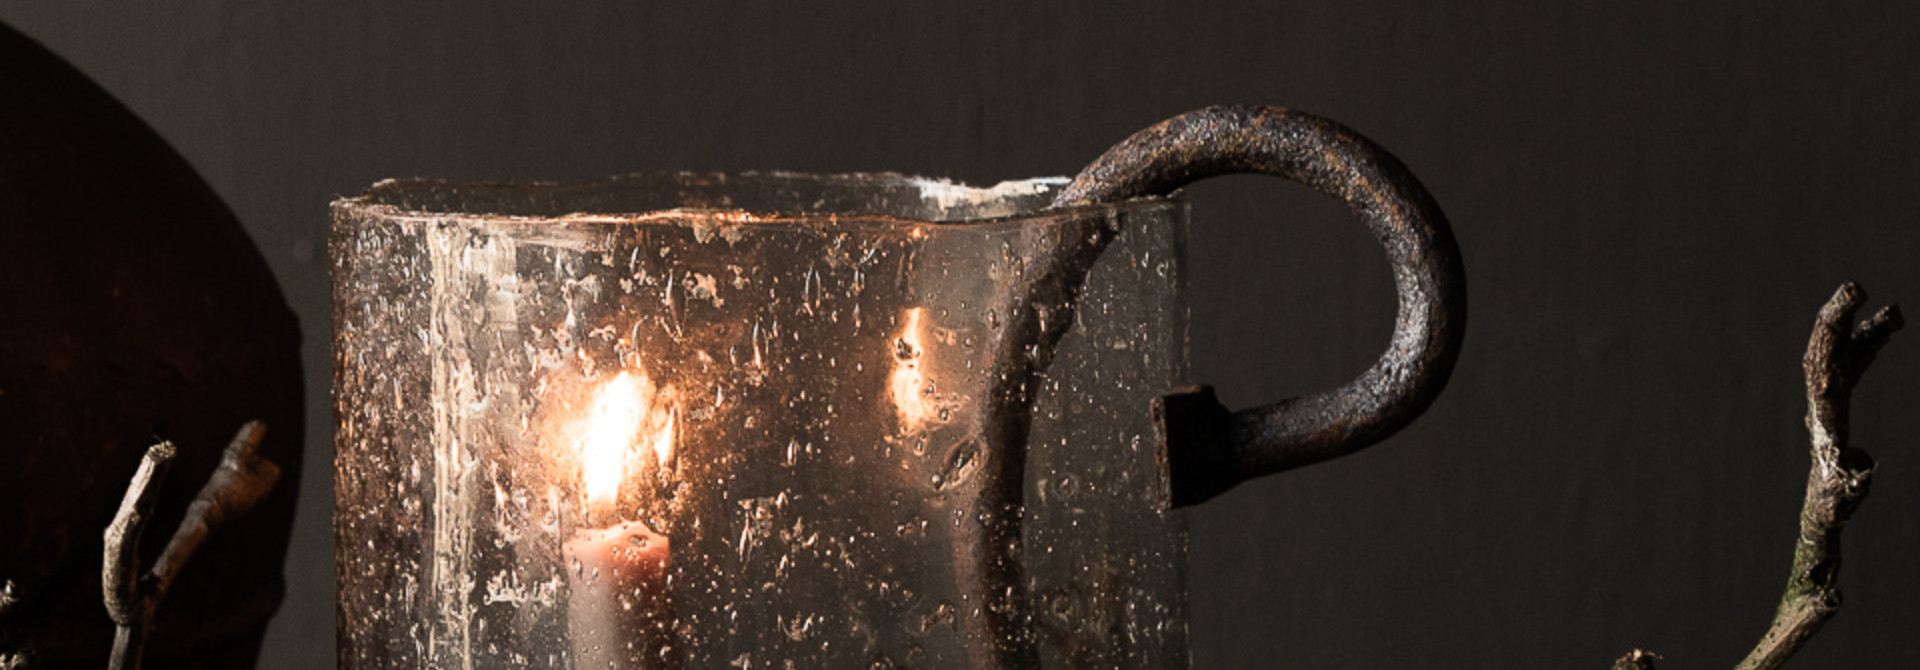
(1209, 449)
(1051, 265)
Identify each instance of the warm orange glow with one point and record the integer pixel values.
(663, 440)
(612, 422)
(628, 415)
(908, 384)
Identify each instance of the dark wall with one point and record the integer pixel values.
(1653, 201)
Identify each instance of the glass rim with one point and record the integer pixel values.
(385, 200)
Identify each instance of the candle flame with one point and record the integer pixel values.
(612, 422)
(907, 385)
(627, 416)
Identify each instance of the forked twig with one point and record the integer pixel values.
(1837, 355)
(240, 481)
(127, 602)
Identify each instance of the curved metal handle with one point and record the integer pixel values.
(1207, 449)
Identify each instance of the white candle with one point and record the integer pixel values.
(619, 613)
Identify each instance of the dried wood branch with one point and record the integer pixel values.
(239, 482)
(1636, 660)
(1837, 355)
(15, 654)
(8, 600)
(120, 573)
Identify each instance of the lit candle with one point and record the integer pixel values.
(619, 614)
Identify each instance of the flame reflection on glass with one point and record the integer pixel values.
(663, 440)
(908, 385)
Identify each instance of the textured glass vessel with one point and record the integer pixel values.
(753, 421)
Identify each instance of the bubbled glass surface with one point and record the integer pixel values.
(800, 369)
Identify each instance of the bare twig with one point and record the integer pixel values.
(240, 481)
(15, 654)
(1837, 355)
(8, 599)
(127, 602)
(1636, 660)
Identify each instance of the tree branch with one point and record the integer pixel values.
(240, 481)
(1837, 355)
(15, 654)
(1636, 660)
(119, 573)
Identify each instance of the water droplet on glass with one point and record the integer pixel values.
(959, 463)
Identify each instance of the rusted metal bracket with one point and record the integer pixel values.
(1209, 449)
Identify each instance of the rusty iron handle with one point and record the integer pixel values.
(1207, 449)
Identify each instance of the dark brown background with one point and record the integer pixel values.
(1652, 200)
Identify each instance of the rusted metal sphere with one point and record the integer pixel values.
(133, 306)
